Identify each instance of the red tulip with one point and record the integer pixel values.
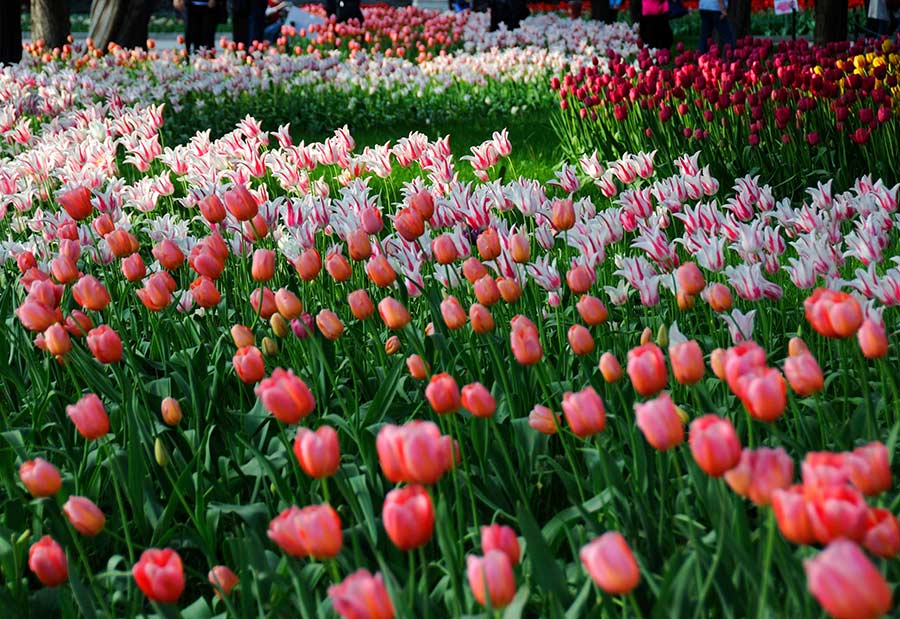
(689, 279)
(835, 512)
(453, 314)
(308, 264)
(584, 412)
(486, 291)
(121, 243)
(76, 202)
(647, 369)
(286, 396)
(443, 394)
(241, 203)
(263, 266)
(48, 562)
(318, 452)
(380, 271)
(168, 254)
(249, 365)
(133, 268)
(393, 313)
(40, 478)
(872, 339)
(361, 596)
(580, 340)
(416, 367)
(833, 314)
(415, 453)
(444, 250)
(579, 279)
(789, 505)
(478, 400)
(358, 245)
(262, 300)
(89, 417)
(160, 575)
(409, 224)
(338, 267)
(408, 516)
(760, 472)
(660, 423)
(591, 310)
(869, 468)
(481, 319)
(57, 339)
(502, 538)
(687, 362)
(204, 292)
(223, 579)
(329, 324)
(105, 344)
(313, 531)
(525, 343)
(90, 294)
(36, 316)
(763, 393)
(804, 374)
(611, 564)
(488, 243)
(491, 579)
(562, 214)
(85, 517)
(360, 304)
(212, 209)
(714, 445)
(846, 583)
(64, 269)
(719, 297)
(544, 420)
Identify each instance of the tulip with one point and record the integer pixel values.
(591, 310)
(846, 583)
(764, 393)
(882, 535)
(525, 344)
(308, 264)
(360, 304)
(156, 295)
(833, 314)
(313, 531)
(610, 368)
(89, 417)
(90, 294)
(584, 412)
(409, 224)
(835, 512)
(481, 319)
(279, 325)
(41, 478)
(248, 364)
(76, 202)
(393, 313)
(242, 336)
(287, 304)
(502, 538)
(84, 516)
(318, 452)
(453, 314)
(380, 271)
(121, 243)
(338, 267)
(519, 248)
(392, 345)
(580, 340)
(105, 344)
(423, 203)
(789, 505)
(329, 324)
(358, 245)
(37, 316)
(872, 339)
(689, 279)
(543, 420)
(133, 268)
(64, 270)
(263, 267)
(241, 203)
(647, 369)
(714, 445)
(684, 301)
(719, 297)
(168, 254)
(171, 411)
(223, 579)
(687, 362)
(562, 214)
(26, 261)
(491, 579)
(57, 339)
(610, 563)
(742, 359)
(488, 243)
(760, 472)
(824, 468)
(579, 279)
(486, 291)
(262, 300)
(160, 575)
(660, 423)
(286, 396)
(212, 209)
(473, 270)
(414, 453)
(444, 250)
(204, 292)
(443, 394)
(796, 346)
(256, 228)
(362, 596)
(510, 290)
(408, 516)
(78, 323)
(478, 400)
(804, 374)
(417, 368)
(371, 220)
(48, 562)
(869, 469)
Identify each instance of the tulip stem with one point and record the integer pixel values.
(767, 560)
(121, 504)
(411, 593)
(424, 562)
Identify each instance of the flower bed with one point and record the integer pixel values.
(203, 411)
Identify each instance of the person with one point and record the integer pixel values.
(10, 31)
(714, 14)
(275, 14)
(200, 20)
(508, 12)
(240, 21)
(258, 19)
(654, 26)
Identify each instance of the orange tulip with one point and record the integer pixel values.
(423, 203)
(544, 420)
(358, 245)
(393, 313)
(804, 374)
(488, 243)
(380, 271)
(444, 250)
(242, 336)
(64, 269)
(168, 254)
(491, 579)
(525, 343)
(286, 396)
(478, 400)
(689, 279)
(687, 362)
(473, 270)
(287, 304)
(105, 344)
(610, 563)
(171, 411)
(360, 304)
(308, 264)
(579, 279)
(409, 224)
(414, 453)
(519, 247)
(836, 512)
(486, 291)
(90, 294)
(562, 214)
(84, 515)
(133, 268)
(719, 297)
(882, 535)
(212, 209)
(223, 579)
(610, 367)
(763, 393)
(205, 293)
(789, 505)
(481, 319)
(453, 314)
(510, 290)
(121, 243)
(57, 340)
(591, 310)
(362, 596)
(36, 316)
(371, 220)
(869, 469)
(78, 323)
(40, 477)
(872, 339)
(833, 314)
(338, 267)
(580, 340)
(392, 345)
(760, 472)
(263, 267)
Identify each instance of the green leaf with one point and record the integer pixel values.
(546, 570)
(515, 608)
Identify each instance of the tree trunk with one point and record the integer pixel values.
(831, 20)
(50, 22)
(124, 22)
(739, 14)
(10, 31)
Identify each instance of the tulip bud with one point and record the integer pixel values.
(171, 411)
(160, 453)
(269, 347)
(392, 345)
